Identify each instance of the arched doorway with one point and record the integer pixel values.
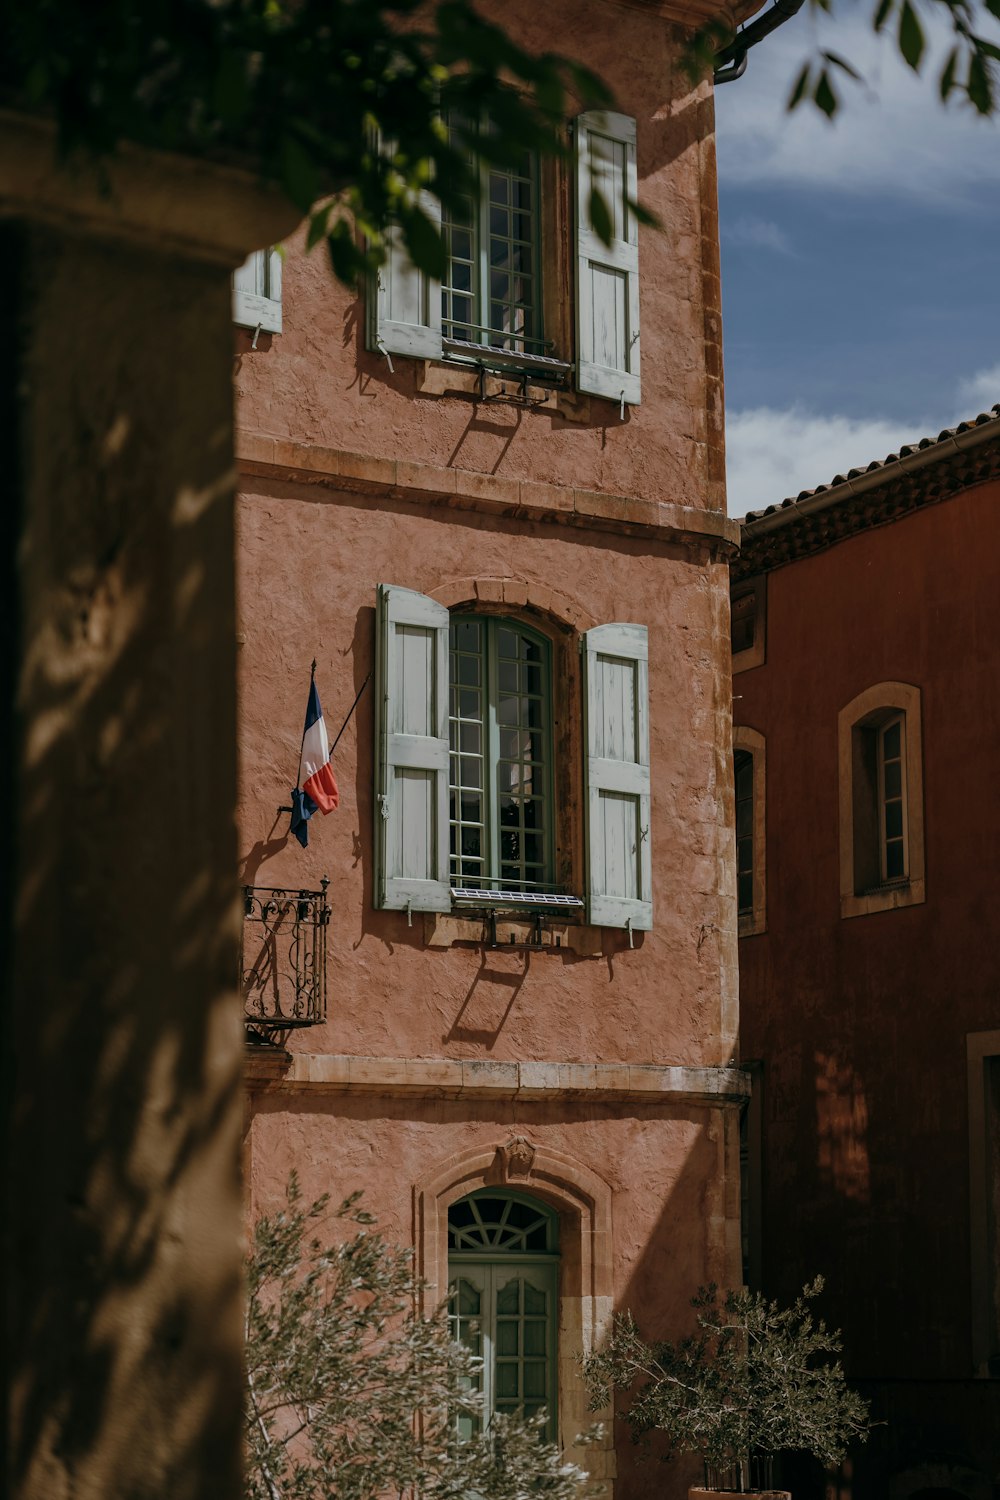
(503, 1268)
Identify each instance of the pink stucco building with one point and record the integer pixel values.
(476, 506)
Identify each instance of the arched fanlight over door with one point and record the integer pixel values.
(503, 1269)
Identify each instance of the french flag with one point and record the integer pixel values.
(317, 787)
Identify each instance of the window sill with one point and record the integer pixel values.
(443, 930)
(458, 378)
(882, 898)
(751, 924)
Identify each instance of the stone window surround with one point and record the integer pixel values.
(583, 1203)
(882, 698)
(753, 742)
(755, 655)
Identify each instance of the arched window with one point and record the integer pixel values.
(881, 800)
(503, 1271)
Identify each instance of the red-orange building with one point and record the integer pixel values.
(472, 505)
(866, 722)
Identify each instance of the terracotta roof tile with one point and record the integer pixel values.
(880, 463)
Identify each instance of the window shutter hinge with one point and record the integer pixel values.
(383, 804)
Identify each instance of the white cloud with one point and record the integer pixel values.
(892, 137)
(772, 454)
(979, 392)
(757, 234)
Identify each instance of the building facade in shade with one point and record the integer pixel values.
(868, 837)
(501, 531)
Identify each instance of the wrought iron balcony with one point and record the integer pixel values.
(283, 960)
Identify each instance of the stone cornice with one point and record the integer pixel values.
(175, 205)
(480, 1078)
(465, 489)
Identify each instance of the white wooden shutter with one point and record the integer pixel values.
(406, 303)
(619, 863)
(411, 752)
(257, 292)
(607, 278)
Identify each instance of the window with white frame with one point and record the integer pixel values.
(491, 291)
(881, 800)
(503, 1265)
(488, 307)
(500, 791)
(465, 766)
(890, 753)
(257, 292)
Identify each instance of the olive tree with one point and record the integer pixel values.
(352, 1393)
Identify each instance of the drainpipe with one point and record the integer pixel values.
(731, 61)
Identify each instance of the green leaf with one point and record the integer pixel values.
(882, 14)
(345, 258)
(643, 215)
(600, 217)
(911, 36)
(947, 81)
(824, 96)
(836, 61)
(424, 241)
(318, 222)
(799, 88)
(980, 88)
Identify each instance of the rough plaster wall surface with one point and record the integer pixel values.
(317, 382)
(123, 1206)
(862, 1022)
(308, 569)
(662, 1171)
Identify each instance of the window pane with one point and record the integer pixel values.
(534, 1338)
(534, 1301)
(534, 1377)
(500, 749)
(894, 820)
(890, 741)
(895, 868)
(507, 1331)
(507, 1297)
(893, 779)
(468, 670)
(507, 1379)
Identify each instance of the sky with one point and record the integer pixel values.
(860, 262)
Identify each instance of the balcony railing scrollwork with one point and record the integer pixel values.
(283, 960)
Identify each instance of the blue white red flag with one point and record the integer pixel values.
(317, 786)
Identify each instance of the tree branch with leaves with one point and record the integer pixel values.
(353, 1394)
(753, 1379)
